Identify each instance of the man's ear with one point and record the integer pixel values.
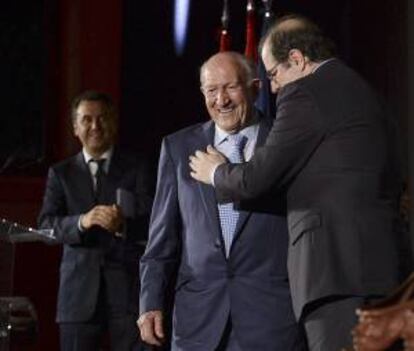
(297, 59)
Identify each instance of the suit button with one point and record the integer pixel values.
(217, 244)
(230, 274)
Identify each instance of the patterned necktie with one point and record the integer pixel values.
(99, 176)
(228, 215)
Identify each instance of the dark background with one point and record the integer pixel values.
(50, 50)
(163, 89)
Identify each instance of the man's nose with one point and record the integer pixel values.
(96, 123)
(274, 87)
(222, 97)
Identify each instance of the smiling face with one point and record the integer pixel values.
(229, 97)
(95, 127)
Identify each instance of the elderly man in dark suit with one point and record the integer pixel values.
(228, 267)
(329, 149)
(97, 202)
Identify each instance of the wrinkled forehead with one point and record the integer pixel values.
(219, 72)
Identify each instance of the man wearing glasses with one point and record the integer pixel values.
(228, 266)
(329, 148)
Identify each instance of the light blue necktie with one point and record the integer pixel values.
(228, 215)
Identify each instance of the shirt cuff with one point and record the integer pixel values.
(212, 174)
(81, 229)
(122, 233)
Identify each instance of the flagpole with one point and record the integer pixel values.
(224, 35)
(268, 8)
(251, 42)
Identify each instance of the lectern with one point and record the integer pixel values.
(18, 318)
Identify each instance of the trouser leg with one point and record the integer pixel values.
(124, 333)
(80, 336)
(329, 324)
(228, 340)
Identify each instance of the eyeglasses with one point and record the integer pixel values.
(273, 71)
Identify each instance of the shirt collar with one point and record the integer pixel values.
(322, 63)
(250, 132)
(106, 155)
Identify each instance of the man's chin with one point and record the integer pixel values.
(228, 124)
(97, 149)
(229, 128)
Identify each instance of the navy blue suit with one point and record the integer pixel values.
(185, 246)
(95, 258)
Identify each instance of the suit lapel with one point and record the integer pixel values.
(82, 179)
(207, 191)
(265, 125)
(264, 128)
(115, 173)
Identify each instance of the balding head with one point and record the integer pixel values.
(298, 32)
(246, 69)
(292, 49)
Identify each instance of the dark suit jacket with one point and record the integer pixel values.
(185, 239)
(329, 147)
(95, 256)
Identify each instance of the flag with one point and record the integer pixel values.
(251, 41)
(224, 34)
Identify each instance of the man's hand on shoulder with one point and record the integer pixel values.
(107, 217)
(204, 164)
(151, 328)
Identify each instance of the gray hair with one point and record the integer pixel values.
(247, 67)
